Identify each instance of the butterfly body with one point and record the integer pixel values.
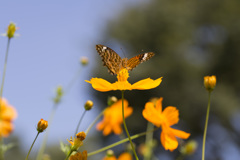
(115, 63)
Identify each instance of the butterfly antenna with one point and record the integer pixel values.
(123, 52)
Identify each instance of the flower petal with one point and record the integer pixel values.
(6, 127)
(117, 129)
(100, 126)
(125, 156)
(101, 84)
(147, 84)
(172, 115)
(107, 130)
(180, 134)
(168, 137)
(122, 85)
(168, 140)
(151, 114)
(159, 105)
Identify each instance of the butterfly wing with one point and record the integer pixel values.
(110, 58)
(134, 61)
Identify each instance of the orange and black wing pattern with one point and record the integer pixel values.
(134, 61)
(110, 58)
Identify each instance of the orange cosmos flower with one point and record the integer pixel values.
(165, 119)
(123, 156)
(122, 83)
(7, 115)
(113, 118)
(79, 156)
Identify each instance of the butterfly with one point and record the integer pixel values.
(115, 63)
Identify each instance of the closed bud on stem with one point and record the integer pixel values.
(88, 105)
(189, 148)
(81, 135)
(84, 61)
(154, 100)
(59, 94)
(42, 125)
(210, 82)
(109, 153)
(112, 100)
(11, 30)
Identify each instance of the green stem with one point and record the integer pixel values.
(1, 93)
(43, 145)
(75, 77)
(32, 146)
(206, 125)
(5, 68)
(80, 122)
(118, 143)
(125, 126)
(68, 155)
(149, 141)
(95, 121)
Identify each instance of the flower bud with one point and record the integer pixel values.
(42, 125)
(59, 94)
(88, 105)
(81, 135)
(154, 100)
(210, 82)
(84, 61)
(189, 148)
(112, 100)
(11, 30)
(109, 153)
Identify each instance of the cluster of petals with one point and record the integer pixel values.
(165, 119)
(77, 141)
(122, 83)
(7, 115)
(79, 156)
(112, 118)
(123, 156)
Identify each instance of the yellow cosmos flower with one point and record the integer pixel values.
(122, 83)
(123, 156)
(7, 115)
(165, 119)
(113, 118)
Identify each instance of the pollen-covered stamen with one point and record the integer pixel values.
(123, 75)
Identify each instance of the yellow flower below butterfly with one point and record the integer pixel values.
(165, 119)
(122, 83)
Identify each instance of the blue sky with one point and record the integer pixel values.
(53, 36)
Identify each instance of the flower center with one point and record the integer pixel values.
(123, 75)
